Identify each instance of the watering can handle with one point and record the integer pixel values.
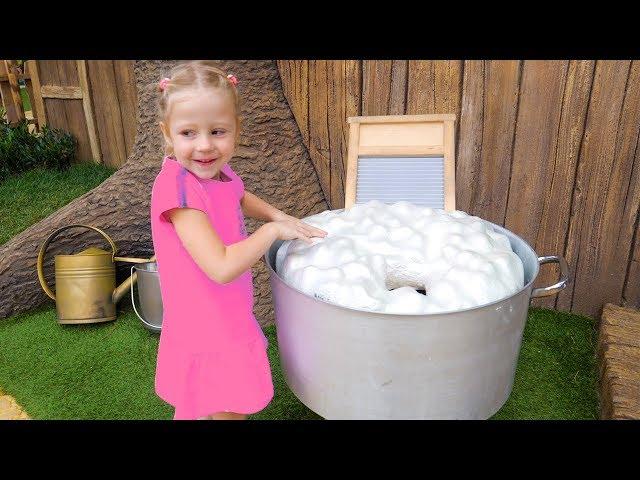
(43, 249)
(133, 300)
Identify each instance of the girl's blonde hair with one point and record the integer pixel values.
(196, 74)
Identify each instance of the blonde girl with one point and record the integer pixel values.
(212, 360)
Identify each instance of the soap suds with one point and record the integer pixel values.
(376, 256)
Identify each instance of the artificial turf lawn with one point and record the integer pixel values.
(106, 371)
(27, 198)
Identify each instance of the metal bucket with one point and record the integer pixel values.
(345, 363)
(149, 295)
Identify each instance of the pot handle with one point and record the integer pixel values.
(556, 287)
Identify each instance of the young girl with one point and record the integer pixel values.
(212, 360)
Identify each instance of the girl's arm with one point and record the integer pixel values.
(223, 263)
(255, 207)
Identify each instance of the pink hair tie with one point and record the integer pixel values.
(233, 79)
(163, 83)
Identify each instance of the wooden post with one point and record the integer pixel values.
(15, 89)
(449, 166)
(37, 101)
(88, 111)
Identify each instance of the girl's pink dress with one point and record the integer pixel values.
(212, 352)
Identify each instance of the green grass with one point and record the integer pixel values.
(556, 372)
(106, 371)
(31, 196)
(25, 98)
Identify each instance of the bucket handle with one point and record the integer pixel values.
(556, 287)
(133, 300)
(43, 249)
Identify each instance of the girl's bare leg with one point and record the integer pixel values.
(225, 416)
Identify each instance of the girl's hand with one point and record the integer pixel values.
(290, 228)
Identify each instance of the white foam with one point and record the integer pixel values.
(375, 256)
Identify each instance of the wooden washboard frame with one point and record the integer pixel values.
(423, 141)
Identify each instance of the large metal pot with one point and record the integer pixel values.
(345, 363)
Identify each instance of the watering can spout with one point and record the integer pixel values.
(124, 287)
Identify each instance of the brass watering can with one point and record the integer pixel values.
(86, 282)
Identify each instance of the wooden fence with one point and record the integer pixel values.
(95, 100)
(11, 73)
(545, 148)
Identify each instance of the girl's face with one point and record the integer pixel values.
(201, 128)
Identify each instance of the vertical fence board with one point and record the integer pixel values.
(319, 142)
(501, 85)
(585, 237)
(552, 233)
(128, 100)
(398, 93)
(540, 99)
(420, 87)
(376, 87)
(107, 111)
(471, 125)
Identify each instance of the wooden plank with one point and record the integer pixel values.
(55, 108)
(536, 135)
(533, 166)
(55, 91)
(469, 147)
(621, 203)
(106, 111)
(6, 96)
(74, 109)
(48, 72)
(449, 166)
(68, 72)
(352, 165)
(403, 118)
(353, 108)
(376, 86)
(588, 242)
(632, 285)
(618, 353)
(14, 90)
(56, 116)
(78, 126)
(128, 101)
(501, 85)
(447, 78)
(7, 103)
(402, 134)
(631, 292)
(398, 93)
(552, 233)
(4, 77)
(36, 99)
(89, 115)
(295, 82)
(319, 142)
(420, 87)
(401, 150)
(341, 74)
(353, 76)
